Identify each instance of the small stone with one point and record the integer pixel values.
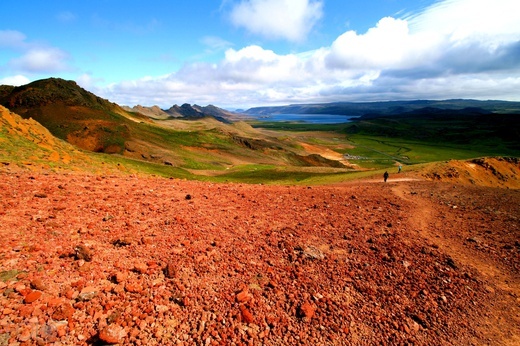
(112, 334)
(169, 271)
(133, 287)
(120, 242)
(141, 267)
(307, 311)
(489, 289)
(33, 296)
(70, 294)
(63, 311)
(19, 287)
(121, 277)
(83, 253)
(247, 316)
(313, 253)
(87, 293)
(38, 284)
(243, 296)
(61, 331)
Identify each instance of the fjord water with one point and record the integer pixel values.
(308, 118)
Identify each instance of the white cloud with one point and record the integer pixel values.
(442, 52)
(387, 45)
(14, 80)
(38, 60)
(12, 39)
(490, 21)
(278, 19)
(30, 57)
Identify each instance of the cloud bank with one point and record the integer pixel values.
(452, 49)
(278, 19)
(33, 58)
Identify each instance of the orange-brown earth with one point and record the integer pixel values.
(88, 259)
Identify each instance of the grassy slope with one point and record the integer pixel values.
(210, 150)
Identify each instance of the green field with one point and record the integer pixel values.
(273, 152)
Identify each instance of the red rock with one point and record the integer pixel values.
(38, 284)
(19, 287)
(63, 311)
(133, 287)
(25, 310)
(141, 267)
(61, 330)
(69, 294)
(169, 271)
(82, 252)
(247, 316)
(112, 334)
(121, 277)
(243, 296)
(87, 293)
(307, 311)
(33, 296)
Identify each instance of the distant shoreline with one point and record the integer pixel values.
(307, 118)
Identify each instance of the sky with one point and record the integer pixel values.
(247, 53)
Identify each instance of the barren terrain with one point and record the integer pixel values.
(105, 259)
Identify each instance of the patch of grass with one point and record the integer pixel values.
(9, 275)
(284, 126)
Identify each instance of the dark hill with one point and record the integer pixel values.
(72, 113)
(386, 108)
(469, 126)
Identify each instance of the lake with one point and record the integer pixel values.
(308, 118)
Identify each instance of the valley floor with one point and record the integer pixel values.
(150, 261)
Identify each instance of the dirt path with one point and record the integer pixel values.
(504, 287)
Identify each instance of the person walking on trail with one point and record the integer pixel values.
(385, 176)
(400, 167)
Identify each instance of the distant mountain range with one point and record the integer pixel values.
(186, 111)
(389, 108)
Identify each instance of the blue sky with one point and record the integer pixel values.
(244, 53)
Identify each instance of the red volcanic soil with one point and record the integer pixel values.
(152, 261)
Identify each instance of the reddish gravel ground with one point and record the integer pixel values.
(150, 261)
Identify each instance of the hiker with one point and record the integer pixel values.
(385, 176)
(399, 170)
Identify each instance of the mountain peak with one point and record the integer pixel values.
(52, 90)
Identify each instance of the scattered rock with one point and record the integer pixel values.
(169, 271)
(112, 334)
(140, 267)
(247, 316)
(451, 263)
(311, 252)
(306, 311)
(82, 252)
(243, 296)
(88, 293)
(63, 311)
(38, 284)
(32, 296)
(120, 242)
(133, 287)
(120, 277)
